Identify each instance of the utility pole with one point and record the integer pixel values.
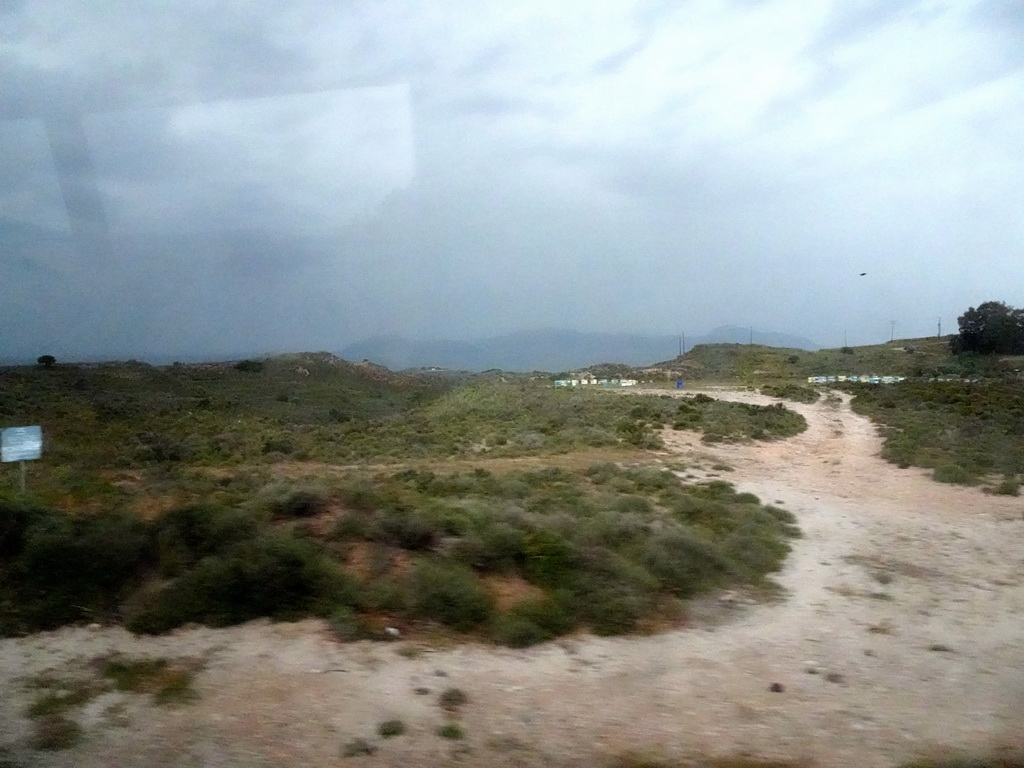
(940, 327)
(844, 339)
(892, 330)
(751, 334)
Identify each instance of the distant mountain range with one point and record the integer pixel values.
(550, 349)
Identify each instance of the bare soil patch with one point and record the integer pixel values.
(899, 633)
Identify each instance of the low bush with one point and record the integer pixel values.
(451, 731)
(452, 699)
(271, 575)
(391, 728)
(1003, 761)
(684, 563)
(450, 593)
(795, 392)
(186, 535)
(952, 473)
(533, 621)
(286, 502)
(59, 569)
(730, 421)
(516, 631)
(55, 732)
(1008, 486)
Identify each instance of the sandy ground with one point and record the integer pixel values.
(901, 634)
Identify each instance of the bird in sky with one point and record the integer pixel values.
(863, 273)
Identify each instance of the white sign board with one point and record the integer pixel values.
(21, 443)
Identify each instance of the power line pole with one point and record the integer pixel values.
(940, 327)
(892, 330)
(751, 334)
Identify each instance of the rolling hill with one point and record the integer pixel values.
(547, 350)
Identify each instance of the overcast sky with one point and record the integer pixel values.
(190, 178)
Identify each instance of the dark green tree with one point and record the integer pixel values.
(47, 361)
(990, 328)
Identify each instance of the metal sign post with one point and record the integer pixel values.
(21, 444)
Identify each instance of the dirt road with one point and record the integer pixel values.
(902, 633)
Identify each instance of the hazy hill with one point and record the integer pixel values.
(547, 350)
(906, 357)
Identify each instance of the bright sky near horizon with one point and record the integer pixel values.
(192, 179)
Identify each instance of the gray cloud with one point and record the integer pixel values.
(297, 175)
(308, 161)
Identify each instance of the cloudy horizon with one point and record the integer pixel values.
(203, 180)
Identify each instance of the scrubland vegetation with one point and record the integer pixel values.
(520, 557)
(137, 416)
(966, 432)
(311, 486)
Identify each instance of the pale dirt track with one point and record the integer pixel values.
(902, 633)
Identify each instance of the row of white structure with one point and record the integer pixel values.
(596, 383)
(862, 379)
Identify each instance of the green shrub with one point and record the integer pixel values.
(601, 473)
(503, 547)
(386, 595)
(357, 747)
(186, 535)
(286, 503)
(549, 557)
(449, 593)
(517, 632)
(451, 731)
(532, 622)
(55, 732)
(952, 473)
(1008, 486)
(611, 609)
(390, 728)
(632, 504)
(346, 625)
(794, 392)
(684, 564)
(754, 549)
(63, 569)
(402, 527)
(273, 575)
(451, 699)
(786, 520)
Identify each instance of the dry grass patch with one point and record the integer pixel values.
(509, 590)
(167, 681)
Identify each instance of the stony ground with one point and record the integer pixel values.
(900, 634)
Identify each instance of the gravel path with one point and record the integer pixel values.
(900, 635)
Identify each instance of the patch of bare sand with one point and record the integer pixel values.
(901, 633)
